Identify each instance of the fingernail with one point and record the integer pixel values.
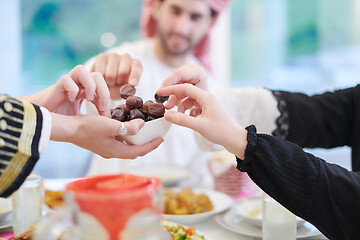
(133, 81)
(139, 122)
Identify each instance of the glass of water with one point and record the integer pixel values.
(27, 204)
(278, 222)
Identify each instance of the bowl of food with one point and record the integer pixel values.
(191, 205)
(5, 208)
(150, 111)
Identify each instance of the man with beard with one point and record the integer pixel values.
(176, 33)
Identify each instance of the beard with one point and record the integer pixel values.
(164, 39)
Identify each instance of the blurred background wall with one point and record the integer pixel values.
(298, 45)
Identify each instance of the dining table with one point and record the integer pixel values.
(209, 227)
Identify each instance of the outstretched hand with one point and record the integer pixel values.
(191, 74)
(67, 95)
(207, 116)
(117, 70)
(100, 135)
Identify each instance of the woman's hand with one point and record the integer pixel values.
(207, 116)
(67, 95)
(100, 135)
(192, 74)
(117, 71)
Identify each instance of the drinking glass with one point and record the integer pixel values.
(27, 204)
(278, 222)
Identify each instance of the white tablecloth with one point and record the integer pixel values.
(209, 227)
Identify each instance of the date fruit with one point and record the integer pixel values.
(133, 102)
(127, 90)
(119, 114)
(136, 113)
(160, 99)
(155, 110)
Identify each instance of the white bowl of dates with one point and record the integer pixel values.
(151, 112)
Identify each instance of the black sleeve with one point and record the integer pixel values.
(324, 194)
(324, 120)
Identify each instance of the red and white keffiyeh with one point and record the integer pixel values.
(201, 51)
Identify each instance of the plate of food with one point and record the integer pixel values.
(251, 210)
(169, 175)
(179, 232)
(193, 205)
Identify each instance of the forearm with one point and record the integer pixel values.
(38, 98)
(64, 128)
(305, 184)
(236, 142)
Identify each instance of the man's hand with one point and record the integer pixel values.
(117, 71)
(192, 74)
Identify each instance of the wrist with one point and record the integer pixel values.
(64, 128)
(238, 142)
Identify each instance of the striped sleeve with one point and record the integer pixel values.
(21, 134)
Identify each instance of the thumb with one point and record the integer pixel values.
(134, 126)
(183, 120)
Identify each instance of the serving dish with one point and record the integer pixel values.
(220, 201)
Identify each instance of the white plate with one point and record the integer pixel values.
(220, 201)
(235, 223)
(251, 210)
(169, 175)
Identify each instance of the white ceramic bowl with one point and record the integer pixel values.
(5, 208)
(151, 130)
